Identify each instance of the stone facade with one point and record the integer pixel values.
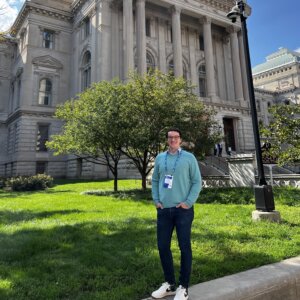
(59, 47)
(277, 80)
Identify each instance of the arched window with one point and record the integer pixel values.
(171, 67)
(45, 91)
(86, 70)
(150, 62)
(202, 80)
(184, 72)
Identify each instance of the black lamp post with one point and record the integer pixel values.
(264, 199)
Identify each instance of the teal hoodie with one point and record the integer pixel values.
(187, 181)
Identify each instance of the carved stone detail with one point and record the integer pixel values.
(47, 61)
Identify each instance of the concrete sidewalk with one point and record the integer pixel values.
(279, 281)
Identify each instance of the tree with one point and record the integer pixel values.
(92, 128)
(112, 118)
(283, 133)
(156, 102)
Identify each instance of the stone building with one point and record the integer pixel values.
(58, 47)
(277, 80)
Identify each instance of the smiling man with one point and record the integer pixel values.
(176, 184)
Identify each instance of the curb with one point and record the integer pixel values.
(271, 282)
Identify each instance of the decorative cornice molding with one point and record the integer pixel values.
(42, 10)
(23, 113)
(224, 5)
(76, 5)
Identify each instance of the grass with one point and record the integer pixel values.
(63, 244)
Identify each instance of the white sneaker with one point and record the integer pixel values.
(166, 289)
(181, 293)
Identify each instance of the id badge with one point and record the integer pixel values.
(168, 181)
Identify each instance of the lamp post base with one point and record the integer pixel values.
(264, 199)
(273, 216)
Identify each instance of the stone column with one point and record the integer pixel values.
(221, 69)
(243, 66)
(162, 45)
(176, 37)
(236, 65)
(128, 61)
(228, 69)
(105, 42)
(116, 43)
(209, 58)
(192, 54)
(141, 36)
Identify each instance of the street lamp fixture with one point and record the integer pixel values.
(264, 199)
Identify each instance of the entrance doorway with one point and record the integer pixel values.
(229, 134)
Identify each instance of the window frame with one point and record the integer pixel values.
(40, 140)
(202, 80)
(49, 40)
(86, 70)
(46, 93)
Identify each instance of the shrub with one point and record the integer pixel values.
(228, 195)
(30, 183)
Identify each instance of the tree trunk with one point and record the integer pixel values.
(144, 182)
(116, 178)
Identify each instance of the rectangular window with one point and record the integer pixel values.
(86, 27)
(201, 42)
(79, 167)
(202, 87)
(148, 27)
(41, 167)
(48, 39)
(42, 138)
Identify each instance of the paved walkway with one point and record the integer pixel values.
(279, 281)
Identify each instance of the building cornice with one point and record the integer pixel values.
(224, 5)
(21, 113)
(38, 9)
(76, 5)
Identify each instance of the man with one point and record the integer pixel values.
(176, 184)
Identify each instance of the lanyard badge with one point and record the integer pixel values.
(168, 181)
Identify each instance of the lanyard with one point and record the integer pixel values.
(175, 164)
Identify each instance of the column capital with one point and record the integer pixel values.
(116, 5)
(232, 29)
(175, 9)
(205, 20)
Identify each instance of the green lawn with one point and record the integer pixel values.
(61, 244)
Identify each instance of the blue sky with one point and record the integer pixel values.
(273, 24)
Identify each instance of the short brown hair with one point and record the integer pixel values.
(173, 129)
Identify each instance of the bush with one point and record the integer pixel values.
(30, 183)
(228, 195)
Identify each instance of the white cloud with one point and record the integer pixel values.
(8, 12)
(298, 50)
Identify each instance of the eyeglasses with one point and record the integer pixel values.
(174, 137)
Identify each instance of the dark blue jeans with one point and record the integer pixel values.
(180, 219)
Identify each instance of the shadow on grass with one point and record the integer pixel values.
(14, 194)
(130, 194)
(107, 259)
(10, 217)
(93, 260)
